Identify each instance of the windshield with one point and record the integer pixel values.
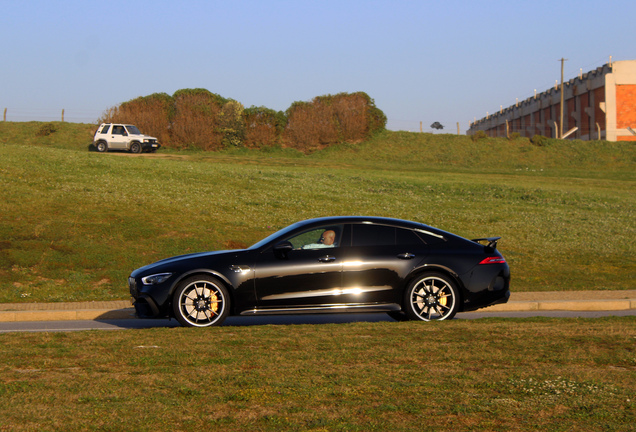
(133, 130)
(274, 236)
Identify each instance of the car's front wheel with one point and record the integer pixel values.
(201, 301)
(431, 297)
(135, 147)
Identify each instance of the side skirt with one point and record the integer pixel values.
(323, 309)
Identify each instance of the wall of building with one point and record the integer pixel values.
(600, 103)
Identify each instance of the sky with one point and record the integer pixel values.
(421, 61)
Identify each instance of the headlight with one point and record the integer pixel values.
(155, 279)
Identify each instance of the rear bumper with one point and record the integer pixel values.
(487, 298)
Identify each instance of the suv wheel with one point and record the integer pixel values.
(135, 147)
(102, 147)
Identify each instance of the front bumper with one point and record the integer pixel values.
(145, 306)
(150, 146)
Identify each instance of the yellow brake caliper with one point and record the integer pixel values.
(214, 305)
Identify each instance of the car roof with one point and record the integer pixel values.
(377, 220)
(363, 219)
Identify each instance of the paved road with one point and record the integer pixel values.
(122, 324)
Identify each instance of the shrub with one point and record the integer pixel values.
(513, 136)
(539, 140)
(196, 119)
(479, 135)
(263, 127)
(326, 120)
(309, 126)
(200, 119)
(231, 124)
(46, 129)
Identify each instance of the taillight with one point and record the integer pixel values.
(493, 260)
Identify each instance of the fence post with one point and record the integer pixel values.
(62, 115)
(5, 115)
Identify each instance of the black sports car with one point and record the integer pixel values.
(326, 265)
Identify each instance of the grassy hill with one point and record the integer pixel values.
(74, 223)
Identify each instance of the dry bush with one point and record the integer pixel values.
(263, 127)
(196, 119)
(350, 116)
(310, 126)
(330, 119)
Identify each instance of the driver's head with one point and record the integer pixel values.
(328, 237)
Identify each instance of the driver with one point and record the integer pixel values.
(327, 240)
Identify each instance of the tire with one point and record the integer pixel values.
(431, 297)
(201, 301)
(101, 147)
(135, 147)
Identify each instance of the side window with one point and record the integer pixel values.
(373, 235)
(405, 237)
(318, 238)
(105, 129)
(118, 130)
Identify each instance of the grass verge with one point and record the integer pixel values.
(493, 374)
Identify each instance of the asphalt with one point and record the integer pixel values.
(519, 302)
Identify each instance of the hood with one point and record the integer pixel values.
(143, 136)
(165, 264)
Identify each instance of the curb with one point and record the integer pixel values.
(67, 315)
(564, 305)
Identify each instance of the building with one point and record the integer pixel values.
(600, 104)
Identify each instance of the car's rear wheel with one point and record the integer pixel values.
(431, 297)
(135, 147)
(101, 147)
(201, 301)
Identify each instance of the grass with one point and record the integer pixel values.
(74, 223)
(531, 374)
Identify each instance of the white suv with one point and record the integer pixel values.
(111, 136)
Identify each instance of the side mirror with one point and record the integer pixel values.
(282, 248)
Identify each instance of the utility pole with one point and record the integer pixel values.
(561, 105)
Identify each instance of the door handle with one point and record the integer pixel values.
(406, 256)
(327, 258)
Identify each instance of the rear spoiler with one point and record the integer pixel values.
(492, 241)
